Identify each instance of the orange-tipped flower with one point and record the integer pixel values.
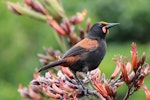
(134, 55)
(116, 71)
(79, 17)
(55, 25)
(100, 88)
(125, 73)
(147, 92)
(111, 91)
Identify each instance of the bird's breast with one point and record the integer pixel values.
(95, 57)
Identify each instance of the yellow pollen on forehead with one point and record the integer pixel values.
(104, 23)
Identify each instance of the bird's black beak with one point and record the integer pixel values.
(109, 25)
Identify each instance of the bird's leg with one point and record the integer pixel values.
(81, 83)
(85, 70)
(88, 78)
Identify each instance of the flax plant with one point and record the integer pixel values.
(59, 83)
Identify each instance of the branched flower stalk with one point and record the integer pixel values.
(59, 82)
(52, 12)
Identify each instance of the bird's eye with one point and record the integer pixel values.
(104, 29)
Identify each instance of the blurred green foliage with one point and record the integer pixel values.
(22, 38)
(134, 17)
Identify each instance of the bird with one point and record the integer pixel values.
(88, 53)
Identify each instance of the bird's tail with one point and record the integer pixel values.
(59, 62)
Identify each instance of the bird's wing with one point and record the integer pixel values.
(76, 50)
(84, 45)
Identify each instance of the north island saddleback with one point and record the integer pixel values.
(87, 54)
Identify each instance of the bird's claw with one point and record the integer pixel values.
(85, 91)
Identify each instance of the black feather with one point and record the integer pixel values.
(58, 62)
(76, 50)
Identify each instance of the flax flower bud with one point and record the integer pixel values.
(134, 55)
(34, 95)
(54, 9)
(24, 92)
(12, 8)
(66, 71)
(88, 25)
(79, 17)
(36, 6)
(55, 25)
(25, 10)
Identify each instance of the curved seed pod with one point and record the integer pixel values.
(24, 92)
(116, 71)
(66, 87)
(67, 71)
(36, 88)
(57, 89)
(50, 94)
(34, 95)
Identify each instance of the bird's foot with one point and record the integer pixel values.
(85, 91)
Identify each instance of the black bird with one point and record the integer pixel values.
(87, 54)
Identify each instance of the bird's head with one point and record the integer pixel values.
(100, 29)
